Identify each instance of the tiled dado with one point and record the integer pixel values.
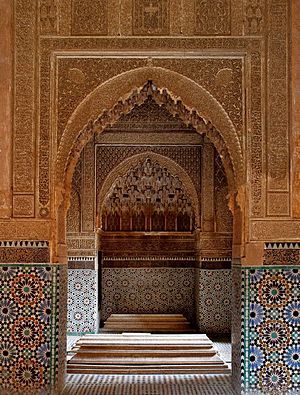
(29, 319)
(82, 299)
(213, 294)
(270, 329)
(148, 290)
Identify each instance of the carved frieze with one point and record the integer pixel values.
(80, 242)
(151, 17)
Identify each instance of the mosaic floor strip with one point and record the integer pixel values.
(148, 385)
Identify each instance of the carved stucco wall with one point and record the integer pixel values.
(224, 77)
(241, 59)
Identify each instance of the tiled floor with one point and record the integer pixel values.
(77, 384)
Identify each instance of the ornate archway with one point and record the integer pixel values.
(183, 97)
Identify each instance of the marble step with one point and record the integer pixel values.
(97, 353)
(169, 323)
(148, 317)
(149, 360)
(145, 353)
(149, 369)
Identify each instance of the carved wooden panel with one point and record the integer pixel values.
(212, 17)
(151, 17)
(89, 17)
(147, 198)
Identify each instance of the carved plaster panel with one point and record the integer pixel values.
(151, 17)
(278, 99)
(212, 17)
(89, 17)
(88, 195)
(29, 229)
(23, 206)
(223, 215)
(48, 16)
(254, 16)
(221, 77)
(24, 98)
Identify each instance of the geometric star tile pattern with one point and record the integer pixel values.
(27, 327)
(148, 290)
(213, 295)
(271, 329)
(82, 301)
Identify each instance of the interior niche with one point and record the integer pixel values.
(157, 194)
